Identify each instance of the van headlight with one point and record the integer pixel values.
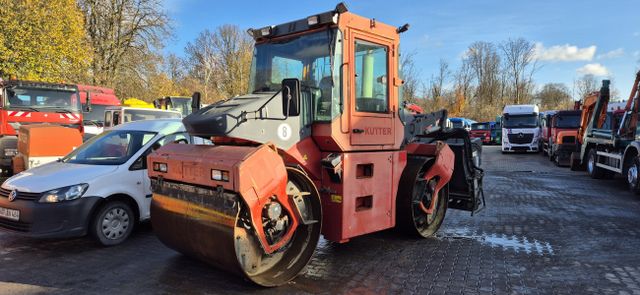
(66, 193)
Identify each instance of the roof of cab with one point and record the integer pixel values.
(520, 109)
(163, 126)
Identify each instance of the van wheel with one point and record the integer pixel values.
(593, 170)
(113, 223)
(632, 176)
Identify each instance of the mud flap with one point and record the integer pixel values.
(465, 188)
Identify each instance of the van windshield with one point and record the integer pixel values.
(520, 121)
(113, 147)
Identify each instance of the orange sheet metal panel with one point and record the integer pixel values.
(362, 204)
(45, 140)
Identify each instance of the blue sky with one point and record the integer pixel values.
(573, 37)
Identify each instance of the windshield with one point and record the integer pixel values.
(520, 121)
(457, 124)
(567, 121)
(96, 115)
(131, 115)
(479, 126)
(113, 147)
(40, 99)
(181, 104)
(309, 58)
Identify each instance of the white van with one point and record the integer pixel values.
(520, 128)
(116, 115)
(101, 188)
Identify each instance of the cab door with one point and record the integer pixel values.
(372, 117)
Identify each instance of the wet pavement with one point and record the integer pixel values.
(546, 230)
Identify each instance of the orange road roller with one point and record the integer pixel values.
(321, 144)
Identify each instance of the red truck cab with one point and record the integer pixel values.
(482, 131)
(28, 102)
(94, 101)
(545, 130)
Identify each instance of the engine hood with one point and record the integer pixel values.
(219, 119)
(55, 175)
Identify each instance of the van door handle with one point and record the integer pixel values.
(358, 130)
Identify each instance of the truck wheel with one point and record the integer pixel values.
(414, 194)
(574, 162)
(113, 223)
(593, 170)
(632, 176)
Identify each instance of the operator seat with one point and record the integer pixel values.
(323, 107)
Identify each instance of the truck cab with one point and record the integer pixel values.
(28, 102)
(520, 128)
(481, 131)
(463, 123)
(94, 101)
(114, 116)
(562, 140)
(181, 104)
(545, 130)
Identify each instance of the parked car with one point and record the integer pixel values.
(101, 188)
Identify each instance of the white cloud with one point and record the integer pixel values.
(564, 52)
(611, 54)
(593, 69)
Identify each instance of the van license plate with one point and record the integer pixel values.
(10, 214)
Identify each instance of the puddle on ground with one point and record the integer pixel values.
(506, 242)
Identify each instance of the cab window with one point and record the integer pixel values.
(371, 75)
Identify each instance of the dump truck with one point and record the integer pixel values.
(563, 134)
(321, 145)
(607, 150)
(29, 102)
(545, 130)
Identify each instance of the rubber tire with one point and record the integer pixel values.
(634, 187)
(404, 214)
(574, 164)
(95, 226)
(596, 172)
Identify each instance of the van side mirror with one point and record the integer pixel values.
(195, 101)
(291, 97)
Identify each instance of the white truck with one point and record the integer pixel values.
(520, 128)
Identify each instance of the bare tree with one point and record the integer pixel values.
(409, 74)
(233, 48)
(554, 96)
(485, 63)
(438, 81)
(122, 31)
(201, 59)
(585, 85)
(520, 63)
(221, 61)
